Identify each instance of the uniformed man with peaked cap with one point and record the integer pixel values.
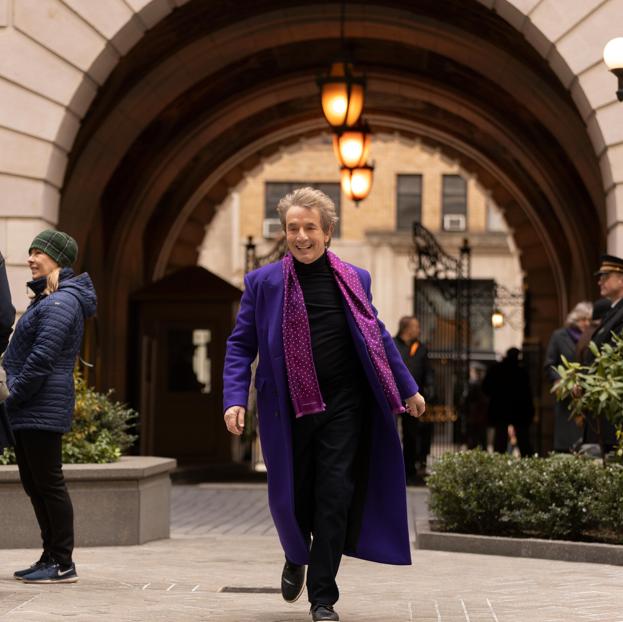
(610, 281)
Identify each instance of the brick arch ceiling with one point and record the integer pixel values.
(197, 103)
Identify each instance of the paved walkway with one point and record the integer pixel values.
(222, 538)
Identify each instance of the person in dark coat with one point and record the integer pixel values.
(563, 342)
(510, 402)
(329, 384)
(416, 434)
(610, 280)
(7, 317)
(39, 363)
(7, 311)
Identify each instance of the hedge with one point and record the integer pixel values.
(559, 497)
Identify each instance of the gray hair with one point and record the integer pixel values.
(582, 310)
(309, 198)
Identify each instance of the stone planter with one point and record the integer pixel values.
(562, 550)
(126, 502)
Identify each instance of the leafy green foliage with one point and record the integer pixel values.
(99, 431)
(559, 497)
(600, 384)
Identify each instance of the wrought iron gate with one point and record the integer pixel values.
(442, 304)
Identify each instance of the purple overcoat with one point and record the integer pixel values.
(384, 534)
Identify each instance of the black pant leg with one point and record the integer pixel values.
(409, 443)
(304, 472)
(336, 444)
(42, 452)
(28, 484)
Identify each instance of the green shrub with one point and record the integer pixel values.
(99, 431)
(469, 489)
(555, 496)
(560, 497)
(609, 499)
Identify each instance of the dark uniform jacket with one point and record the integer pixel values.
(612, 322)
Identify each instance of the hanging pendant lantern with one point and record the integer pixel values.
(342, 95)
(352, 145)
(356, 182)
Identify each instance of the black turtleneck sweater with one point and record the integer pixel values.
(335, 358)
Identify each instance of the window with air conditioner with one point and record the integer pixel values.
(454, 222)
(454, 203)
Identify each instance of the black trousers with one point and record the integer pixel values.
(39, 461)
(326, 455)
(416, 442)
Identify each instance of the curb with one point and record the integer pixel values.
(558, 550)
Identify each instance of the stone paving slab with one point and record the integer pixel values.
(179, 580)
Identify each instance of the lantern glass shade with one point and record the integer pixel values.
(357, 182)
(613, 54)
(497, 319)
(342, 95)
(352, 147)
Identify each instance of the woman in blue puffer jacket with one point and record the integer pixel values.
(39, 363)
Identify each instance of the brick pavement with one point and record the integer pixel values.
(217, 542)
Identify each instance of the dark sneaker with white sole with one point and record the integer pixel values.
(52, 572)
(320, 613)
(20, 574)
(292, 581)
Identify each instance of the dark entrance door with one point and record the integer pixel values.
(181, 350)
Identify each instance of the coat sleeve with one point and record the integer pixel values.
(241, 351)
(552, 357)
(7, 311)
(407, 386)
(55, 321)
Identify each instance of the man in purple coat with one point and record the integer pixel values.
(329, 384)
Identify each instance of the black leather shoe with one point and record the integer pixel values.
(323, 612)
(292, 582)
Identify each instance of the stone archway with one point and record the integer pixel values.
(144, 134)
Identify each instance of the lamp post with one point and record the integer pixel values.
(613, 57)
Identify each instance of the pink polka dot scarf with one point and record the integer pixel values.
(302, 378)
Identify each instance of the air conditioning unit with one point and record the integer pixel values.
(272, 228)
(454, 222)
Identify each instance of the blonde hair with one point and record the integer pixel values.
(52, 282)
(583, 309)
(309, 198)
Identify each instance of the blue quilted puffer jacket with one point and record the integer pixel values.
(39, 361)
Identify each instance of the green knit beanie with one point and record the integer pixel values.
(57, 245)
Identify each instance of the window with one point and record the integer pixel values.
(274, 191)
(454, 203)
(408, 201)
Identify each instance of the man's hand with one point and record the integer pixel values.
(416, 405)
(234, 419)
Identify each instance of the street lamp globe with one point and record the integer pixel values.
(613, 57)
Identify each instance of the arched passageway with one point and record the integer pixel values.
(209, 92)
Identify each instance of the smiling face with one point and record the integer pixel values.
(40, 264)
(305, 237)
